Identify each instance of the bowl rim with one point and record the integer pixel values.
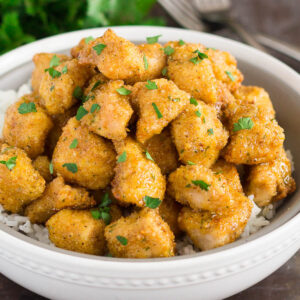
(290, 77)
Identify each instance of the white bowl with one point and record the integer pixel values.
(215, 274)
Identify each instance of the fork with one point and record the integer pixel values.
(187, 13)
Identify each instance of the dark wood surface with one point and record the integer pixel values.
(278, 18)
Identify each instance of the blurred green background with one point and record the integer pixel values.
(23, 21)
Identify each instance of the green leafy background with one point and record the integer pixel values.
(23, 21)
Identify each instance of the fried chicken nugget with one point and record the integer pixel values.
(272, 181)
(143, 234)
(163, 151)
(57, 196)
(42, 61)
(20, 183)
(159, 102)
(110, 110)
(136, 175)
(57, 90)
(115, 57)
(198, 134)
(77, 230)
(84, 158)
(27, 125)
(42, 165)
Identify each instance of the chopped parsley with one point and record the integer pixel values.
(97, 83)
(88, 39)
(151, 202)
(181, 42)
(81, 112)
(71, 167)
(99, 48)
(210, 131)
(122, 157)
(54, 62)
(105, 200)
(164, 71)
(95, 107)
(169, 50)
(10, 163)
(26, 108)
(86, 98)
(122, 240)
(51, 167)
(151, 85)
(123, 91)
(198, 113)
(202, 184)
(158, 113)
(103, 210)
(77, 93)
(52, 88)
(53, 73)
(229, 74)
(200, 56)
(146, 65)
(243, 123)
(153, 39)
(74, 144)
(149, 156)
(64, 69)
(193, 101)
(190, 163)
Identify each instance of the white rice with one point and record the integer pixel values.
(259, 217)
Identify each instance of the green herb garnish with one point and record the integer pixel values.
(198, 113)
(146, 65)
(153, 39)
(122, 240)
(200, 56)
(243, 123)
(158, 113)
(99, 48)
(64, 69)
(169, 50)
(123, 91)
(71, 167)
(229, 74)
(51, 167)
(181, 42)
(74, 144)
(202, 184)
(149, 156)
(97, 83)
(95, 107)
(10, 163)
(151, 85)
(88, 39)
(151, 202)
(210, 131)
(164, 71)
(122, 157)
(190, 163)
(26, 108)
(78, 92)
(193, 101)
(81, 112)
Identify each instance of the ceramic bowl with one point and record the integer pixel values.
(214, 274)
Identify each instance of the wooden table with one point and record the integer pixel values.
(278, 18)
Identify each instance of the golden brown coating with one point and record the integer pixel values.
(163, 151)
(154, 61)
(136, 176)
(143, 234)
(210, 230)
(94, 84)
(92, 159)
(157, 107)
(272, 181)
(225, 68)
(58, 93)
(27, 131)
(118, 58)
(230, 173)
(200, 188)
(198, 134)
(41, 164)
(197, 78)
(57, 196)
(76, 49)
(77, 230)
(20, 184)
(109, 111)
(42, 61)
(169, 210)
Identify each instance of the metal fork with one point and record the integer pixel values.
(188, 14)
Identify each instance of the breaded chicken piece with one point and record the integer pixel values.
(26, 125)
(82, 43)
(198, 134)
(272, 181)
(163, 151)
(77, 230)
(200, 188)
(157, 107)
(229, 171)
(20, 183)
(42, 165)
(84, 158)
(196, 78)
(136, 175)
(109, 111)
(209, 230)
(115, 57)
(42, 61)
(94, 84)
(143, 234)
(225, 68)
(169, 210)
(58, 93)
(154, 61)
(57, 196)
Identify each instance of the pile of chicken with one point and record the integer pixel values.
(122, 147)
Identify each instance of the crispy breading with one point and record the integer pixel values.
(136, 176)
(20, 185)
(198, 134)
(77, 230)
(93, 156)
(143, 234)
(41, 164)
(157, 107)
(57, 196)
(27, 131)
